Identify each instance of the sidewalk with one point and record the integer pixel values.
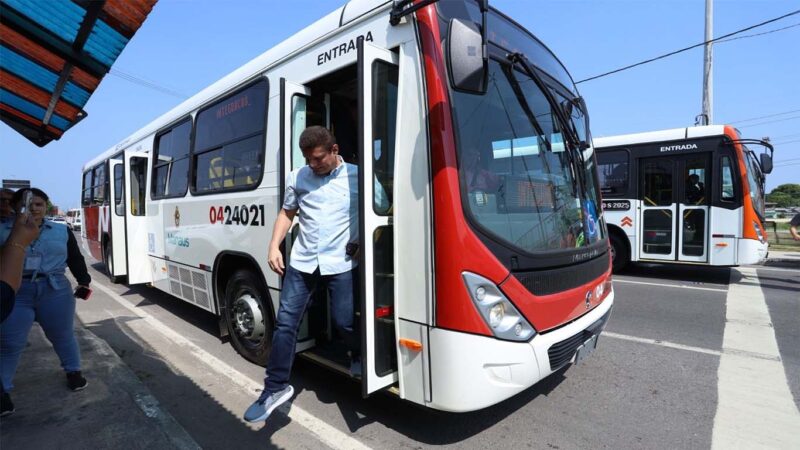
(789, 260)
(114, 411)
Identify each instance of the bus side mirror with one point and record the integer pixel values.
(766, 163)
(466, 57)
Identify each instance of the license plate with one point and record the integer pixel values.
(585, 349)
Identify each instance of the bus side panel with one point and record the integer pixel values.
(625, 221)
(92, 230)
(726, 228)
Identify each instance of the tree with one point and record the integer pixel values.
(785, 195)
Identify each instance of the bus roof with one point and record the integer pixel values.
(343, 15)
(674, 134)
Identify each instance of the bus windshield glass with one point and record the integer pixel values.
(755, 181)
(520, 176)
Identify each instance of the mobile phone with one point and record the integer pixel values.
(26, 202)
(83, 292)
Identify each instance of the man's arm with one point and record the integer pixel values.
(282, 224)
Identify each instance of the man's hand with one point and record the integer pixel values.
(275, 261)
(24, 231)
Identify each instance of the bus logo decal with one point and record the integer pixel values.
(177, 217)
(588, 299)
(626, 222)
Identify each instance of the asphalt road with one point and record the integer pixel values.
(655, 380)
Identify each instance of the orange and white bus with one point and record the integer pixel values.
(686, 196)
(488, 269)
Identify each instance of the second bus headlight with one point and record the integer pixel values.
(497, 311)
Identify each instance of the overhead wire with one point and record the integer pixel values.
(725, 36)
(765, 117)
(146, 83)
(768, 122)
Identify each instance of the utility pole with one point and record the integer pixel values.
(705, 117)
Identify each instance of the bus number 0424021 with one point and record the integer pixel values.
(252, 215)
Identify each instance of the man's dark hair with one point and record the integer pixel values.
(316, 136)
(17, 199)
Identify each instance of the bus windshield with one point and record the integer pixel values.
(755, 181)
(519, 173)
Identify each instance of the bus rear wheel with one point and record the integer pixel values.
(249, 320)
(109, 263)
(619, 254)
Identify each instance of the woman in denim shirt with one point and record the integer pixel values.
(45, 295)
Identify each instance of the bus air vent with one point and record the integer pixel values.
(546, 282)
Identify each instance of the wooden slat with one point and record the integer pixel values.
(44, 57)
(34, 123)
(126, 16)
(35, 95)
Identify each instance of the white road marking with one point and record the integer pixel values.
(775, 269)
(755, 408)
(682, 286)
(324, 432)
(641, 340)
(707, 351)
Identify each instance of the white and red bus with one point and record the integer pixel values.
(685, 196)
(488, 270)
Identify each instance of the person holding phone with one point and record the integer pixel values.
(45, 294)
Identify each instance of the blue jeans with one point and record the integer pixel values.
(298, 289)
(51, 303)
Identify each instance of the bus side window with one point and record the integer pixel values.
(171, 163)
(138, 168)
(229, 141)
(612, 171)
(86, 199)
(384, 116)
(727, 191)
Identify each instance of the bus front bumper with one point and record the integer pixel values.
(752, 251)
(470, 372)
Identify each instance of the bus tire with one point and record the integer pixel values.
(620, 257)
(249, 320)
(109, 263)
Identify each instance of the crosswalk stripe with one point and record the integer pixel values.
(755, 408)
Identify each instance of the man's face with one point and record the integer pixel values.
(5, 204)
(321, 160)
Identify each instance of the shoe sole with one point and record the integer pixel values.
(80, 388)
(281, 400)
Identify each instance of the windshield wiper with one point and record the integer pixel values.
(572, 138)
(517, 89)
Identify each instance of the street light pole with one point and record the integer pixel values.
(708, 55)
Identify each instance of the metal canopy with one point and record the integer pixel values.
(54, 53)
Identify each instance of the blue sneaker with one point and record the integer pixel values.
(263, 407)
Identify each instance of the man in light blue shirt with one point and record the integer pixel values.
(325, 193)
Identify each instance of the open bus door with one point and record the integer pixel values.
(298, 111)
(377, 84)
(114, 253)
(136, 237)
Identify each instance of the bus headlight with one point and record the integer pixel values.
(758, 231)
(497, 311)
(496, 314)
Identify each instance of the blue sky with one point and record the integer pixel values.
(185, 45)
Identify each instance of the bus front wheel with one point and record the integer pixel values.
(249, 320)
(619, 254)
